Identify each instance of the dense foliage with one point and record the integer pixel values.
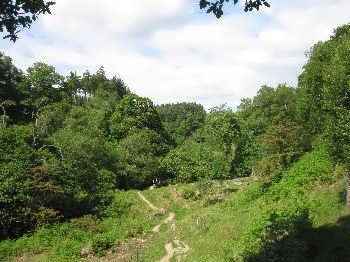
(181, 120)
(209, 152)
(56, 155)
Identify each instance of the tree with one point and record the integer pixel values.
(258, 113)
(281, 145)
(88, 171)
(19, 14)
(324, 107)
(195, 160)
(262, 128)
(81, 89)
(181, 120)
(41, 87)
(28, 188)
(325, 92)
(140, 154)
(134, 112)
(209, 152)
(311, 103)
(337, 95)
(10, 77)
(52, 119)
(221, 127)
(216, 6)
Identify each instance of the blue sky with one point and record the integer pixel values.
(171, 51)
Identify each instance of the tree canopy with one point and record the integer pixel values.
(19, 14)
(216, 7)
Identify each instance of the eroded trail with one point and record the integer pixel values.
(153, 207)
(170, 218)
(176, 247)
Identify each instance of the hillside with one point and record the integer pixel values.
(210, 221)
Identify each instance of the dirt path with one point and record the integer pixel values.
(170, 218)
(179, 250)
(154, 208)
(128, 250)
(175, 248)
(169, 252)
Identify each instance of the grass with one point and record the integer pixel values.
(228, 220)
(311, 180)
(211, 218)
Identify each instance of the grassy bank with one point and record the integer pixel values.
(219, 220)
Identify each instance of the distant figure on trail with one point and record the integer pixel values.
(173, 227)
(156, 182)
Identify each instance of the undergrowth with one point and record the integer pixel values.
(64, 242)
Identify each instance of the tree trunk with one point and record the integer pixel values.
(35, 114)
(348, 190)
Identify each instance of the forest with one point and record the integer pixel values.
(75, 148)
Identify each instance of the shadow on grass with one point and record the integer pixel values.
(229, 190)
(329, 243)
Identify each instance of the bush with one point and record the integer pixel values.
(314, 166)
(190, 194)
(202, 189)
(269, 169)
(119, 206)
(66, 251)
(101, 243)
(64, 239)
(253, 192)
(87, 223)
(275, 232)
(194, 161)
(205, 187)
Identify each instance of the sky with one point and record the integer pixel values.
(171, 51)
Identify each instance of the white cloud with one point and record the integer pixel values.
(167, 51)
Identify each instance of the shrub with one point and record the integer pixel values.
(66, 251)
(193, 161)
(314, 166)
(205, 186)
(101, 243)
(87, 223)
(274, 232)
(253, 192)
(269, 169)
(190, 194)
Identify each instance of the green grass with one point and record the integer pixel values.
(310, 180)
(226, 227)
